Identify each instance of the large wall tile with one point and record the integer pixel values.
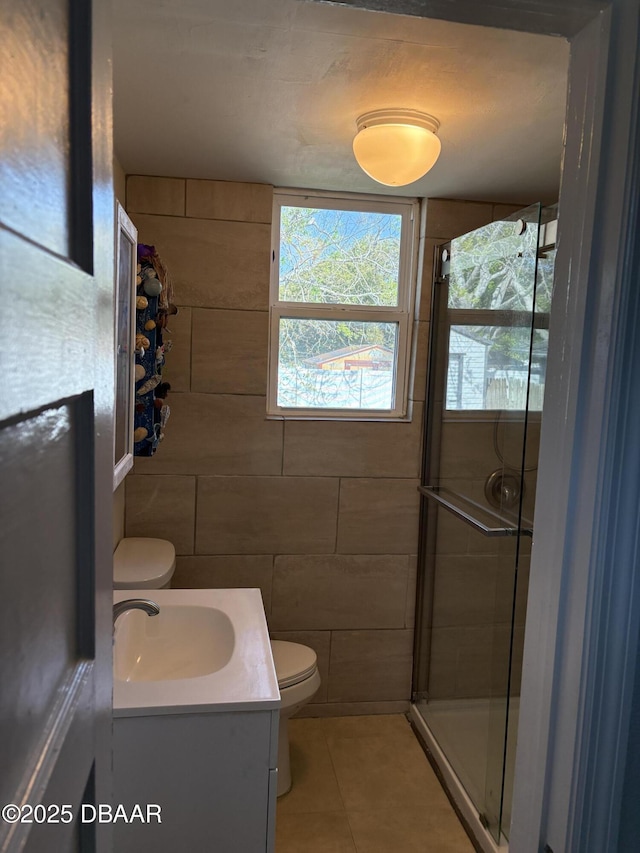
(370, 665)
(229, 200)
(226, 572)
(473, 589)
(426, 268)
(214, 264)
(320, 642)
(266, 515)
(353, 448)
(164, 196)
(336, 591)
(448, 218)
(412, 584)
(177, 370)
(467, 449)
(230, 351)
(420, 358)
(217, 434)
(378, 516)
(504, 211)
(118, 514)
(162, 507)
(469, 662)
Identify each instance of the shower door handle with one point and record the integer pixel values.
(432, 493)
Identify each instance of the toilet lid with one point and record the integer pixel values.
(140, 562)
(294, 662)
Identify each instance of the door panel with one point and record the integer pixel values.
(56, 439)
(35, 122)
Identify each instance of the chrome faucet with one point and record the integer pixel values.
(149, 607)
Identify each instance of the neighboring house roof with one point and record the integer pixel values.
(337, 354)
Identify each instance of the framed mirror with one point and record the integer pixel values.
(126, 240)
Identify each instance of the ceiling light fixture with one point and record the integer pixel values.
(396, 147)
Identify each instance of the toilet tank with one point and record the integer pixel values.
(143, 563)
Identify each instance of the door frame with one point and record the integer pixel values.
(581, 636)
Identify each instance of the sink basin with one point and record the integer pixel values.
(207, 650)
(182, 641)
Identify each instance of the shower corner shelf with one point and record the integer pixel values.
(467, 510)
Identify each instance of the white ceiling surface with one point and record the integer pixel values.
(269, 91)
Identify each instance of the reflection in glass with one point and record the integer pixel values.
(489, 367)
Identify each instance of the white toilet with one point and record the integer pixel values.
(142, 563)
(298, 680)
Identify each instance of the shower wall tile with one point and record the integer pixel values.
(522, 589)
(241, 202)
(353, 449)
(266, 515)
(504, 211)
(469, 662)
(447, 218)
(177, 370)
(161, 196)
(472, 590)
(467, 450)
(226, 572)
(338, 591)
(217, 434)
(320, 642)
(452, 534)
(426, 268)
(410, 607)
(230, 351)
(378, 516)
(162, 507)
(420, 357)
(213, 263)
(370, 666)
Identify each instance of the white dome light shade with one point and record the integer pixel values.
(396, 147)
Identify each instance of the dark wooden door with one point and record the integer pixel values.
(56, 315)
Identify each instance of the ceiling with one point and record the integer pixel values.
(269, 91)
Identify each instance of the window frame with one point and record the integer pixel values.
(402, 313)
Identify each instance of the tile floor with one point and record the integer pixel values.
(364, 785)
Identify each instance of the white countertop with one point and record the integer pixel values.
(248, 682)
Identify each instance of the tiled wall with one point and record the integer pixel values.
(322, 516)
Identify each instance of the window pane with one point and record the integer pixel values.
(336, 364)
(339, 256)
(488, 367)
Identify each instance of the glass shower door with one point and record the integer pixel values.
(486, 384)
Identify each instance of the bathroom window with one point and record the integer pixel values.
(342, 292)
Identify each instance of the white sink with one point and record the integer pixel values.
(182, 641)
(207, 649)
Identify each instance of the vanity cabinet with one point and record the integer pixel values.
(213, 775)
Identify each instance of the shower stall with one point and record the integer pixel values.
(490, 317)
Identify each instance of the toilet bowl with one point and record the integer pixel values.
(298, 680)
(142, 563)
